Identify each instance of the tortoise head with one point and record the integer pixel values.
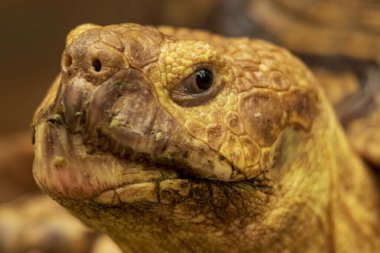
(164, 142)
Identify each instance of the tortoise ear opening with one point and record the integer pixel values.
(78, 31)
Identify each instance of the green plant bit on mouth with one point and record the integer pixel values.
(59, 161)
(78, 114)
(56, 118)
(158, 136)
(114, 123)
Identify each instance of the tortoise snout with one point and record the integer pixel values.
(90, 60)
(93, 56)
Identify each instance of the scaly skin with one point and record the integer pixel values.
(255, 163)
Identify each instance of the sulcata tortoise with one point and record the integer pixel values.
(175, 140)
(178, 140)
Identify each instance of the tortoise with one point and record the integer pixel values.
(178, 140)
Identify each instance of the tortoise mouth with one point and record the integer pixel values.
(65, 166)
(72, 165)
(65, 170)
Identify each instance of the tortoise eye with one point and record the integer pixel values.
(198, 82)
(198, 88)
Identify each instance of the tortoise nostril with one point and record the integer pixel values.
(67, 61)
(97, 65)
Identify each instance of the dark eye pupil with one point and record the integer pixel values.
(204, 79)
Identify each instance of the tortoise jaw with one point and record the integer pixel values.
(63, 167)
(69, 165)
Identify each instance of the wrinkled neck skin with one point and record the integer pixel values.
(312, 200)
